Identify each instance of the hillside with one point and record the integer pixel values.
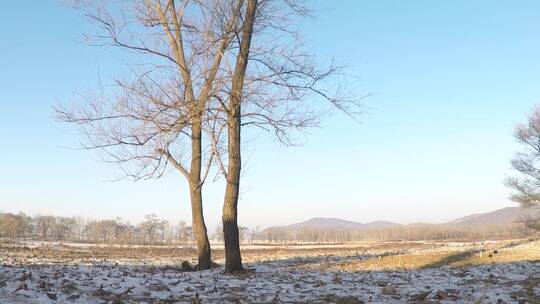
(498, 217)
(335, 223)
(498, 223)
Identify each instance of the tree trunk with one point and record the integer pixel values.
(199, 229)
(233, 258)
(197, 215)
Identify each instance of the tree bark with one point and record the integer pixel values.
(233, 258)
(195, 189)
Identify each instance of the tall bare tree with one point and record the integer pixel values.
(526, 185)
(162, 108)
(273, 85)
(233, 259)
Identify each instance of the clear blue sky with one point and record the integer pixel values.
(448, 82)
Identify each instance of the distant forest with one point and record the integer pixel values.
(152, 231)
(156, 231)
(414, 232)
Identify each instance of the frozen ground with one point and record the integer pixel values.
(463, 273)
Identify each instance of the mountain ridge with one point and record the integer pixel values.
(500, 216)
(328, 222)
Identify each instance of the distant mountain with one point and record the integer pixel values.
(324, 223)
(498, 223)
(498, 217)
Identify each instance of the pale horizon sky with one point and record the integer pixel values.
(448, 81)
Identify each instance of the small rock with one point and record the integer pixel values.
(52, 296)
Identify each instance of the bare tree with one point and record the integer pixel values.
(45, 224)
(162, 109)
(526, 186)
(243, 233)
(14, 226)
(218, 234)
(101, 231)
(65, 227)
(531, 224)
(150, 226)
(253, 233)
(273, 85)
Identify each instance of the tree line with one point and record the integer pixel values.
(417, 232)
(156, 231)
(151, 231)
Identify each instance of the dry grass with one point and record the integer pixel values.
(357, 257)
(444, 255)
(174, 254)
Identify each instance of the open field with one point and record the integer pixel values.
(421, 272)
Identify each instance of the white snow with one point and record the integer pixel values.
(45, 280)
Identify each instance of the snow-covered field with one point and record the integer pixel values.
(498, 272)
